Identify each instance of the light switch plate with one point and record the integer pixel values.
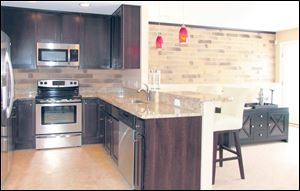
(177, 102)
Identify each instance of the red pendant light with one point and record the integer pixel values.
(159, 41)
(183, 35)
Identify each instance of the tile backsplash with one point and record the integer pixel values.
(26, 79)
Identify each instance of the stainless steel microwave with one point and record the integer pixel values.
(58, 54)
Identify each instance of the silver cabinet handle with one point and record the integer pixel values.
(260, 135)
(261, 116)
(260, 125)
(252, 126)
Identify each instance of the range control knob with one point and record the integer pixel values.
(75, 82)
(71, 82)
(45, 82)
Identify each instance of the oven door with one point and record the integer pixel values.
(58, 118)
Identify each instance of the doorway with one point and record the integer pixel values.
(290, 78)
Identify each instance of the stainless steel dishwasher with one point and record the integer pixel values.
(126, 147)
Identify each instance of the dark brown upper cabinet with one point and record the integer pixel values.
(20, 26)
(125, 50)
(58, 27)
(70, 31)
(48, 27)
(106, 42)
(95, 42)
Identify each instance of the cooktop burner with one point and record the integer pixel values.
(57, 91)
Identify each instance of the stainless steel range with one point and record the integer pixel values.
(58, 114)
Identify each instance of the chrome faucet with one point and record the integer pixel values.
(147, 91)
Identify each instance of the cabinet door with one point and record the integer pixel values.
(117, 41)
(115, 139)
(91, 133)
(131, 36)
(24, 135)
(126, 37)
(48, 27)
(108, 132)
(2, 19)
(246, 133)
(71, 24)
(278, 124)
(20, 26)
(101, 123)
(95, 42)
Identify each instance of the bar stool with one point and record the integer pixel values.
(229, 120)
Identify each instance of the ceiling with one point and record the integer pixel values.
(247, 15)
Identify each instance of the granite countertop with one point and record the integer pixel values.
(200, 96)
(150, 110)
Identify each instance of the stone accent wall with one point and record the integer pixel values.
(26, 79)
(212, 56)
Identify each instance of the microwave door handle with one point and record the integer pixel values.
(12, 88)
(69, 56)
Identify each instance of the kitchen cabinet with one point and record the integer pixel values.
(48, 27)
(115, 139)
(71, 28)
(112, 131)
(2, 19)
(20, 26)
(58, 27)
(92, 132)
(108, 133)
(101, 120)
(278, 121)
(95, 42)
(152, 167)
(262, 125)
(24, 124)
(125, 50)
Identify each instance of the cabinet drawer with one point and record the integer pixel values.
(260, 120)
(260, 134)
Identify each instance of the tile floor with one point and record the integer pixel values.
(82, 168)
(267, 166)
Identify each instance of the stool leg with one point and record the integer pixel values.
(215, 147)
(239, 152)
(221, 149)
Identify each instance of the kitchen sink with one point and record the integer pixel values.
(257, 105)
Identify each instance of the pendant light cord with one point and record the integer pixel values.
(182, 12)
(158, 17)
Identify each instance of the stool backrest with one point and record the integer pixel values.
(235, 108)
(210, 89)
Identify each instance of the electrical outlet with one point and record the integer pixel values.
(177, 102)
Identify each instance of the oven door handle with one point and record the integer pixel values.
(59, 136)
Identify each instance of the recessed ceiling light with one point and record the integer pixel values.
(84, 4)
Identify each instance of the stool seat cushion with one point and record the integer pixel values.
(224, 122)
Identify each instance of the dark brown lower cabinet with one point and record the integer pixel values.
(111, 143)
(115, 139)
(108, 132)
(24, 124)
(172, 153)
(93, 122)
(167, 151)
